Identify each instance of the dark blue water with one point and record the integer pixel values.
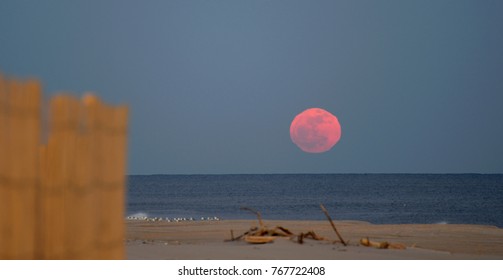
(377, 198)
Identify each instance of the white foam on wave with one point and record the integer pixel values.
(139, 215)
(442, 223)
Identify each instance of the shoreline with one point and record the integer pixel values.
(145, 218)
(187, 240)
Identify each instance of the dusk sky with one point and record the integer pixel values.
(213, 86)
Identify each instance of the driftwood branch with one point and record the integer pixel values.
(285, 230)
(259, 217)
(309, 234)
(333, 225)
(251, 231)
(262, 234)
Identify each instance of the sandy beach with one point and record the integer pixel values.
(206, 240)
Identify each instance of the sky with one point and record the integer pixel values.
(213, 86)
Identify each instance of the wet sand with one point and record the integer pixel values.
(206, 240)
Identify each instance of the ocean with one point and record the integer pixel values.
(376, 198)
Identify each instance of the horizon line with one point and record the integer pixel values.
(323, 173)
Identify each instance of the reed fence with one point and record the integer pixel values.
(62, 175)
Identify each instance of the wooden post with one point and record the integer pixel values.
(3, 165)
(92, 107)
(22, 153)
(60, 167)
(109, 162)
(66, 125)
(83, 193)
(108, 148)
(41, 221)
(117, 178)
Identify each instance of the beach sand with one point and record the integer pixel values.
(205, 240)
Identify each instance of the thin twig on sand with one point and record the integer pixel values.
(332, 223)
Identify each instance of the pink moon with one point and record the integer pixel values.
(315, 130)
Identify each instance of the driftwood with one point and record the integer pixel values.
(286, 231)
(381, 245)
(259, 217)
(309, 234)
(333, 225)
(262, 234)
(242, 235)
(259, 239)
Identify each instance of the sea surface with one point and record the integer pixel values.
(376, 198)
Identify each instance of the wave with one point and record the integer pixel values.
(139, 215)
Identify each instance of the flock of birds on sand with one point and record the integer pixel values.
(176, 220)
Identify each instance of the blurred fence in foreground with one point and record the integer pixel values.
(62, 177)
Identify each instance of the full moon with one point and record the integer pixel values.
(315, 130)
